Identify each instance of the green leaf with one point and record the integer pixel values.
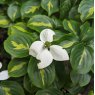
(13, 11)
(86, 9)
(17, 67)
(50, 91)
(87, 32)
(30, 8)
(85, 79)
(51, 6)
(65, 6)
(40, 22)
(81, 58)
(21, 28)
(73, 13)
(58, 35)
(71, 26)
(74, 90)
(10, 88)
(57, 22)
(80, 79)
(18, 27)
(4, 21)
(28, 85)
(68, 40)
(40, 78)
(18, 45)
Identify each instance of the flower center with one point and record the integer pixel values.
(47, 44)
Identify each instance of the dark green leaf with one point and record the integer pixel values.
(86, 9)
(40, 78)
(18, 27)
(71, 26)
(30, 8)
(18, 45)
(85, 79)
(13, 11)
(68, 40)
(58, 35)
(73, 13)
(28, 85)
(87, 32)
(65, 6)
(51, 6)
(17, 67)
(40, 22)
(80, 79)
(10, 88)
(81, 58)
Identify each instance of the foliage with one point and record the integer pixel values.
(22, 21)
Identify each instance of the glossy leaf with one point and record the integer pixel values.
(17, 67)
(68, 40)
(28, 85)
(65, 6)
(40, 78)
(4, 21)
(87, 32)
(81, 58)
(85, 79)
(80, 79)
(51, 6)
(40, 22)
(21, 28)
(73, 13)
(30, 8)
(13, 12)
(10, 88)
(71, 26)
(86, 9)
(18, 45)
(18, 27)
(58, 35)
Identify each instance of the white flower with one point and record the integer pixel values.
(45, 52)
(3, 74)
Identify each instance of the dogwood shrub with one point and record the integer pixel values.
(46, 47)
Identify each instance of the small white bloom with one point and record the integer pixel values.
(45, 52)
(3, 74)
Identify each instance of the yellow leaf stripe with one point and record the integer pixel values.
(19, 46)
(70, 26)
(42, 76)
(14, 15)
(49, 6)
(20, 28)
(91, 11)
(41, 24)
(68, 44)
(18, 67)
(4, 22)
(82, 56)
(32, 9)
(6, 90)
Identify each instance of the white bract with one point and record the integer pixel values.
(3, 74)
(45, 52)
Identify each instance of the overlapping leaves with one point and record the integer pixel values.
(72, 21)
